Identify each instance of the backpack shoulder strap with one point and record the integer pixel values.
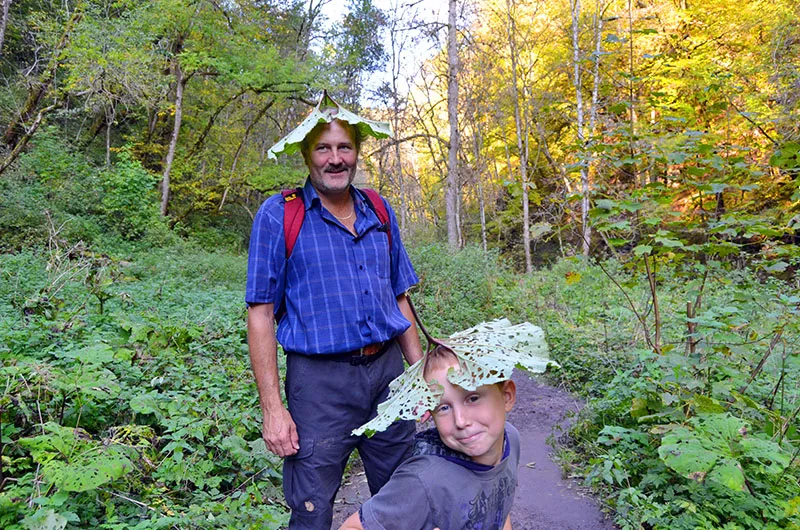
(376, 203)
(294, 211)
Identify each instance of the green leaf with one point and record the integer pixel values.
(705, 404)
(45, 519)
(728, 472)
(88, 472)
(487, 353)
(668, 242)
(325, 112)
(684, 453)
(605, 204)
(95, 354)
(642, 249)
(769, 454)
(148, 403)
(639, 407)
(779, 266)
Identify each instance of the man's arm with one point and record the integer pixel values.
(279, 430)
(409, 340)
(507, 526)
(352, 523)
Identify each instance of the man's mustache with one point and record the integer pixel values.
(335, 168)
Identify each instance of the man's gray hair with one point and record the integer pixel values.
(358, 136)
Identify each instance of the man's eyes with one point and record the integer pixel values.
(321, 148)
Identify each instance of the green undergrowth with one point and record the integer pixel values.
(128, 401)
(702, 434)
(127, 398)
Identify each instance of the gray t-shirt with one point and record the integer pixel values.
(439, 487)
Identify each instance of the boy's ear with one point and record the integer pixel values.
(509, 390)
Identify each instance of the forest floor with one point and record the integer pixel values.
(544, 500)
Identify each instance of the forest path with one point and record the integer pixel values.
(544, 500)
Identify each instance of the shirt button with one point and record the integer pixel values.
(366, 292)
(369, 318)
(361, 267)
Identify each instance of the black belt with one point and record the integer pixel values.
(361, 356)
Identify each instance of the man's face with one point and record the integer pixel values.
(473, 421)
(332, 158)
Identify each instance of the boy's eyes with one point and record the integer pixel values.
(472, 398)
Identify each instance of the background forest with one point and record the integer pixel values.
(622, 173)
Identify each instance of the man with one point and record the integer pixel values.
(343, 319)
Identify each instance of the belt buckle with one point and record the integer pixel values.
(369, 350)
(365, 354)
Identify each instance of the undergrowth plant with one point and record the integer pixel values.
(129, 403)
(702, 434)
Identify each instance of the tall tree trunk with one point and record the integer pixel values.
(4, 23)
(110, 116)
(180, 84)
(632, 97)
(476, 147)
(586, 231)
(523, 160)
(17, 127)
(451, 197)
(598, 51)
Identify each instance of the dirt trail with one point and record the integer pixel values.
(544, 500)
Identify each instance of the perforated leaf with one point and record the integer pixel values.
(88, 471)
(487, 354)
(325, 112)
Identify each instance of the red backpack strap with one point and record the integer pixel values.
(376, 203)
(294, 211)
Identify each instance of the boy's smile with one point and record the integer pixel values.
(473, 421)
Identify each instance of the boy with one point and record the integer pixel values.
(463, 473)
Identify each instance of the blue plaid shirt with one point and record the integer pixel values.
(339, 290)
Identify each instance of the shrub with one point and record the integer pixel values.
(129, 200)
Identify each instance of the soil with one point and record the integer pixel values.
(544, 498)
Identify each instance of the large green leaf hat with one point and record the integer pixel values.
(326, 111)
(486, 353)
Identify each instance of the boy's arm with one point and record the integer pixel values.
(507, 526)
(352, 523)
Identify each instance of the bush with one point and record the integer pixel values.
(129, 201)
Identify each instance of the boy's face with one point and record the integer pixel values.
(473, 421)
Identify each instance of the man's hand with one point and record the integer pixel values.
(280, 432)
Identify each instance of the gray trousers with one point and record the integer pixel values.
(327, 400)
